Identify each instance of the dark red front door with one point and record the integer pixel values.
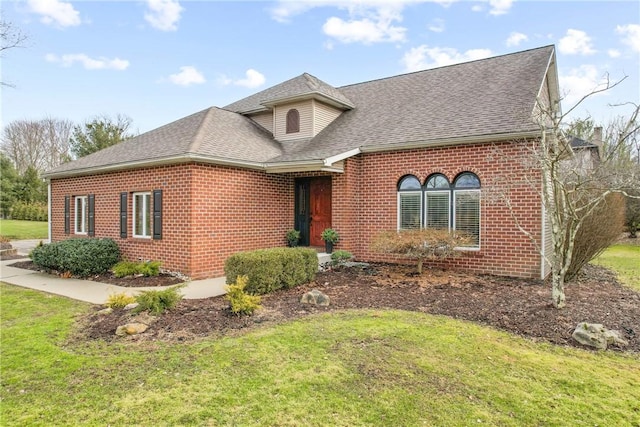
(319, 209)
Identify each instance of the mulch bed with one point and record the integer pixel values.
(515, 305)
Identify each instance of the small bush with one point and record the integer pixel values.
(130, 268)
(82, 257)
(156, 302)
(599, 231)
(271, 269)
(30, 211)
(241, 302)
(421, 244)
(120, 300)
(341, 256)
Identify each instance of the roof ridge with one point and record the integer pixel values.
(197, 139)
(448, 66)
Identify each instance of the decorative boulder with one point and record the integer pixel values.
(131, 306)
(131, 329)
(596, 335)
(315, 297)
(106, 311)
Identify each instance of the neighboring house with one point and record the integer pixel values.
(414, 150)
(586, 155)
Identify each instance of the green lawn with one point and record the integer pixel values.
(21, 230)
(355, 368)
(625, 261)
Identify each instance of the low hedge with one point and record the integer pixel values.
(81, 257)
(272, 269)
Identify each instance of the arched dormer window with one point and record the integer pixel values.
(293, 121)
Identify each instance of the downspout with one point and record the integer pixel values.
(49, 207)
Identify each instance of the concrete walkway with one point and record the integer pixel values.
(95, 292)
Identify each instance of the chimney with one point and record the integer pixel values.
(597, 139)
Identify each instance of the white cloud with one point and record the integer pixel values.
(187, 76)
(163, 14)
(477, 8)
(576, 42)
(55, 12)
(579, 82)
(500, 7)
(631, 35)
(437, 25)
(100, 63)
(516, 38)
(365, 30)
(613, 53)
(252, 79)
(423, 57)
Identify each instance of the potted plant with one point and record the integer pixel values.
(293, 236)
(330, 237)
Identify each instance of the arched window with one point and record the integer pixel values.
(409, 203)
(466, 205)
(448, 206)
(293, 121)
(437, 202)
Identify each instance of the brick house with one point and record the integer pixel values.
(413, 150)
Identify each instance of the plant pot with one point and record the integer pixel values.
(292, 244)
(328, 247)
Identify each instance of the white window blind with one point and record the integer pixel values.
(467, 214)
(437, 208)
(409, 210)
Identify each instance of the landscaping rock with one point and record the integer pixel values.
(315, 297)
(596, 335)
(131, 306)
(131, 329)
(105, 311)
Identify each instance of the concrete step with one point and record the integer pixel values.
(323, 258)
(11, 251)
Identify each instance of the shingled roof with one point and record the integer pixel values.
(476, 101)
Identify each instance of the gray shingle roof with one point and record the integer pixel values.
(304, 84)
(483, 98)
(213, 132)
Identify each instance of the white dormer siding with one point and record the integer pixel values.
(314, 116)
(264, 119)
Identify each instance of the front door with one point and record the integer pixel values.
(320, 209)
(313, 209)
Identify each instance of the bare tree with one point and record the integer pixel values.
(10, 37)
(41, 144)
(570, 189)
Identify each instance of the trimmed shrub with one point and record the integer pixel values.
(81, 257)
(120, 300)
(131, 268)
(156, 302)
(340, 256)
(272, 269)
(241, 302)
(30, 211)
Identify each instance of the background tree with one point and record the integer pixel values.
(570, 193)
(8, 181)
(100, 132)
(42, 144)
(30, 188)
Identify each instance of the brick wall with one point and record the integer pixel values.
(504, 249)
(211, 212)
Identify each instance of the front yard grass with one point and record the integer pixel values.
(14, 229)
(373, 367)
(625, 261)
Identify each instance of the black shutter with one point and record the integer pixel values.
(123, 215)
(157, 214)
(67, 215)
(92, 214)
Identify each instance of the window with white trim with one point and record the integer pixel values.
(438, 204)
(81, 219)
(409, 203)
(142, 215)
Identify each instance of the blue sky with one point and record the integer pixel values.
(159, 60)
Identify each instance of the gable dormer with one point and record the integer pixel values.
(299, 108)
